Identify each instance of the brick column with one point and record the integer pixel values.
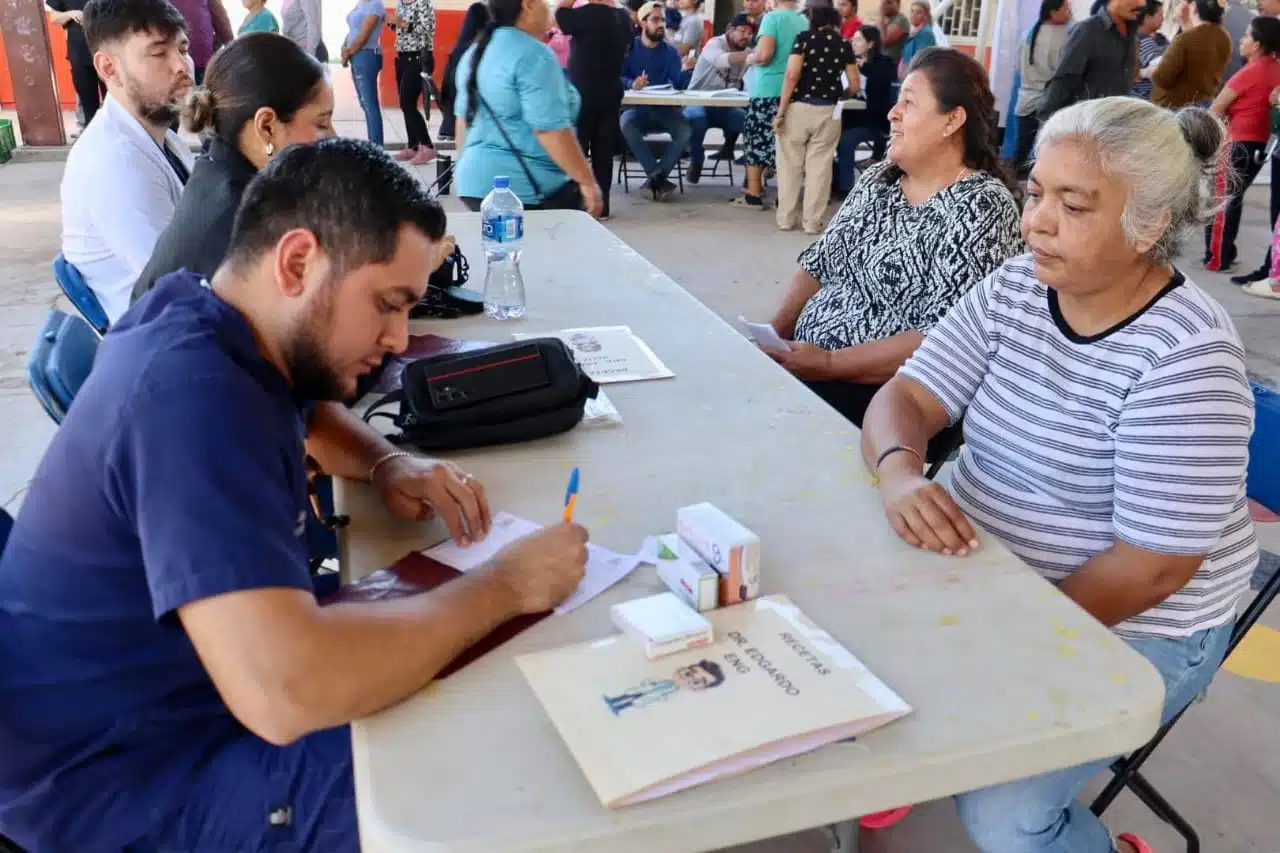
(26, 43)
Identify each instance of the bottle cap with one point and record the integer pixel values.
(501, 182)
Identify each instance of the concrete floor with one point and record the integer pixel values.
(1219, 766)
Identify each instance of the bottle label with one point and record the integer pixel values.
(503, 227)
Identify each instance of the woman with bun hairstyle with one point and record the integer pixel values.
(260, 93)
(1106, 421)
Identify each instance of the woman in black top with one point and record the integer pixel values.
(808, 131)
(872, 124)
(473, 22)
(260, 93)
(601, 35)
(69, 14)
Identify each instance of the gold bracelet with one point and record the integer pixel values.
(385, 458)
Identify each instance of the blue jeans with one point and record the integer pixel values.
(638, 121)
(365, 66)
(728, 119)
(1042, 814)
(846, 168)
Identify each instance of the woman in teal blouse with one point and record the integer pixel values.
(922, 34)
(517, 115)
(258, 18)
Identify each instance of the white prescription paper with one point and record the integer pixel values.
(609, 353)
(765, 336)
(604, 567)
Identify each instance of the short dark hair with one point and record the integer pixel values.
(712, 669)
(822, 15)
(1265, 30)
(871, 34)
(106, 21)
(1210, 11)
(741, 20)
(256, 70)
(347, 192)
(634, 5)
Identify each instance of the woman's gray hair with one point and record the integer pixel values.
(1169, 161)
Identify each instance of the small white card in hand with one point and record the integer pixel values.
(765, 336)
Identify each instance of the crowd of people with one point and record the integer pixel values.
(168, 678)
(1121, 50)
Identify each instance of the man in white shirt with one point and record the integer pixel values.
(126, 173)
(720, 66)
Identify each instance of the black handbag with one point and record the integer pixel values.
(499, 395)
(445, 297)
(568, 196)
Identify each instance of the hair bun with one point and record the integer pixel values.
(197, 115)
(1204, 132)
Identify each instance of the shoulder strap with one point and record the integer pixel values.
(533, 182)
(385, 400)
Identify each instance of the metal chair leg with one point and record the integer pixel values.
(1164, 810)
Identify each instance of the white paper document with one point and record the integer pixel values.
(609, 353)
(604, 567)
(765, 336)
(662, 87)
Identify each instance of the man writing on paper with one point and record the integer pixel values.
(167, 678)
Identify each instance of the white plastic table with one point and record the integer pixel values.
(1007, 677)
(687, 98)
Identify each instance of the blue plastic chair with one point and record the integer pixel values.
(75, 288)
(60, 361)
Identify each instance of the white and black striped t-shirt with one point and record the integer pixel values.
(1140, 433)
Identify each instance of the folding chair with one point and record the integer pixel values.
(1128, 770)
(60, 361)
(626, 162)
(84, 299)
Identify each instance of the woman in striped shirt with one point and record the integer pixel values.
(1106, 420)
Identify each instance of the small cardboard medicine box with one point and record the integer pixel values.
(686, 574)
(662, 624)
(731, 549)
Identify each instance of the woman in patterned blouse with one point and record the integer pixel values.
(918, 230)
(415, 24)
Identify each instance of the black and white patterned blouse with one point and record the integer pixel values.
(886, 267)
(417, 28)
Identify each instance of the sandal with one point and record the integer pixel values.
(884, 820)
(1138, 844)
(746, 201)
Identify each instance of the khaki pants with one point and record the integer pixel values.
(806, 154)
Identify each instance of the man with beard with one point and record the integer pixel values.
(125, 175)
(721, 65)
(654, 62)
(168, 680)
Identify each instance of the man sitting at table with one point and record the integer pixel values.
(167, 678)
(654, 62)
(721, 66)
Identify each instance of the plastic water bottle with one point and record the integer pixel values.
(502, 224)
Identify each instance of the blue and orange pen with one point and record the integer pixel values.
(571, 497)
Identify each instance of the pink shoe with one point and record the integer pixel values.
(884, 820)
(406, 154)
(424, 156)
(1138, 844)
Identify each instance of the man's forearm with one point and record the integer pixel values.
(875, 362)
(362, 657)
(344, 445)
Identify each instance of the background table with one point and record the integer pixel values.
(685, 98)
(1007, 677)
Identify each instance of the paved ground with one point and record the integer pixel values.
(1219, 766)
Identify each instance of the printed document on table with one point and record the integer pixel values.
(604, 567)
(662, 87)
(609, 353)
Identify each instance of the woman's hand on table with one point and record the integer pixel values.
(592, 197)
(921, 511)
(414, 487)
(805, 361)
